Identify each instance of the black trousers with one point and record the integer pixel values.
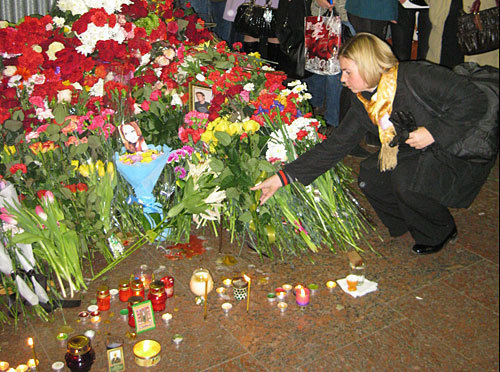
(373, 26)
(402, 33)
(400, 209)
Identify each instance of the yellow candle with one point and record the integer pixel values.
(206, 297)
(248, 294)
(331, 284)
(21, 368)
(32, 344)
(4, 366)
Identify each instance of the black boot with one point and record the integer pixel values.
(250, 46)
(273, 52)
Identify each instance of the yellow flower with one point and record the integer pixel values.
(75, 164)
(251, 126)
(254, 54)
(91, 167)
(207, 136)
(10, 150)
(222, 126)
(235, 128)
(111, 169)
(84, 170)
(100, 168)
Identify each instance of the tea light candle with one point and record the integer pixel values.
(166, 318)
(4, 366)
(95, 320)
(287, 287)
(221, 291)
(177, 339)
(62, 337)
(92, 308)
(281, 295)
(227, 282)
(271, 297)
(331, 285)
(58, 366)
(32, 365)
(297, 288)
(282, 306)
(302, 296)
(21, 368)
(89, 333)
(113, 293)
(11, 370)
(83, 316)
(226, 306)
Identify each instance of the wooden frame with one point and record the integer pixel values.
(194, 98)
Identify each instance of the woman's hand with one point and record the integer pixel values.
(268, 187)
(420, 138)
(325, 4)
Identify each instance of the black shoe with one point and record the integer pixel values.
(428, 249)
(359, 152)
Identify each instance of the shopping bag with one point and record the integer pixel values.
(322, 43)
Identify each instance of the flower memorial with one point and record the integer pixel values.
(71, 78)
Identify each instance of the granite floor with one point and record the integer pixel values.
(430, 313)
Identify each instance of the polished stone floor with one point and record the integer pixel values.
(430, 313)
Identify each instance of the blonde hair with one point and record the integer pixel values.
(372, 55)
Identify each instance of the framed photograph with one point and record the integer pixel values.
(200, 97)
(144, 316)
(116, 360)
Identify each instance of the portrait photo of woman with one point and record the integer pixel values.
(132, 138)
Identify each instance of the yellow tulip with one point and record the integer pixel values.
(235, 128)
(251, 126)
(91, 167)
(10, 150)
(111, 169)
(75, 164)
(100, 168)
(84, 170)
(207, 136)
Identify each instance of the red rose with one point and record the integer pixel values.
(81, 187)
(145, 105)
(71, 188)
(18, 166)
(172, 27)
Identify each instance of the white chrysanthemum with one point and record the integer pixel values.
(267, 68)
(176, 100)
(9, 71)
(64, 96)
(59, 21)
(76, 7)
(294, 83)
(276, 152)
(145, 59)
(200, 77)
(249, 87)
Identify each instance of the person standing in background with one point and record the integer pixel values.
(372, 16)
(223, 27)
(402, 31)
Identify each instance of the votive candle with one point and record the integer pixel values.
(331, 285)
(4, 366)
(21, 368)
(302, 296)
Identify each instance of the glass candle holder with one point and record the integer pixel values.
(79, 355)
(200, 279)
(168, 282)
(103, 298)
(240, 288)
(137, 288)
(131, 302)
(124, 290)
(157, 295)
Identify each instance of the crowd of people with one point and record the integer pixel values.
(415, 175)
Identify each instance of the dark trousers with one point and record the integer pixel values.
(373, 26)
(451, 55)
(402, 33)
(400, 209)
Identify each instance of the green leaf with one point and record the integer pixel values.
(94, 142)
(223, 137)
(246, 217)
(60, 112)
(13, 125)
(66, 193)
(54, 137)
(81, 148)
(223, 65)
(175, 210)
(264, 165)
(91, 196)
(216, 165)
(52, 129)
(18, 115)
(25, 238)
(232, 193)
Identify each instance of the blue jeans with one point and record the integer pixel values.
(223, 28)
(201, 7)
(325, 89)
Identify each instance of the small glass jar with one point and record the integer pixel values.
(168, 281)
(157, 295)
(137, 288)
(103, 298)
(131, 302)
(79, 355)
(124, 290)
(359, 271)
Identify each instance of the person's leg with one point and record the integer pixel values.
(201, 8)
(402, 33)
(423, 31)
(273, 51)
(332, 97)
(316, 85)
(223, 27)
(373, 26)
(250, 44)
(451, 55)
(428, 221)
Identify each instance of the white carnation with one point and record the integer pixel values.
(249, 87)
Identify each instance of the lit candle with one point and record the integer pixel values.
(31, 343)
(11, 370)
(331, 285)
(282, 306)
(166, 318)
(58, 366)
(297, 288)
(247, 278)
(21, 368)
(32, 365)
(4, 366)
(302, 296)
(221, 291)
(287, 287)
(227, 282)
(83, 316)
(62, 337)
(226, 306)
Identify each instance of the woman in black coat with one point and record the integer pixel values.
(411, 181)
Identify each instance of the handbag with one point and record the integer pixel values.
(478, 30)
(322, 43)
(256, 20)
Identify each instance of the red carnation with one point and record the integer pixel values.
(18, 166)
(81, 187)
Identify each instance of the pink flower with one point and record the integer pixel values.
(42, 128)
(40, 213)
(7, 218)
(97, 122)
(245, 95)
(48, 197)
(37, 101)
(145, 105)
(155, 95)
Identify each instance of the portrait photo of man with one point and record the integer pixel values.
(201, 104)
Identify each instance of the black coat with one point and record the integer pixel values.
(448, 179)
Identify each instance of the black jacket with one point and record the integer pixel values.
(448, 179)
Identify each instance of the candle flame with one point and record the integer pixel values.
(302, 292)
(30, 342)
(247, 278)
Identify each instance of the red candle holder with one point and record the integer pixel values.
(103, 298)
(157, 295)
(168, 282)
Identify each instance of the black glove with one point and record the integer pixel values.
(404, 123)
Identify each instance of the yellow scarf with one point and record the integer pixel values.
(379, 109)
